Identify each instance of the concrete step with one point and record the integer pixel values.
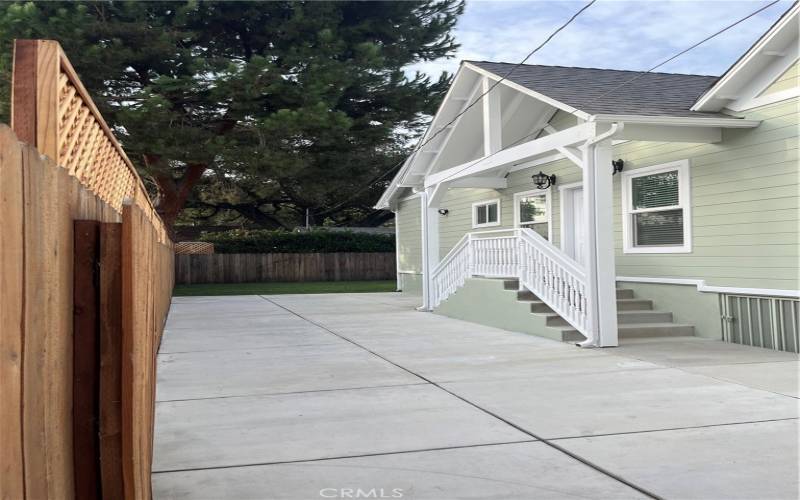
(634, 305)
(624, 293)
(511, 284)
(527, 295)
(638, 330)
(623, 318)
(539, 307)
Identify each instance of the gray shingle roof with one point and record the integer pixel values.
(651, 94)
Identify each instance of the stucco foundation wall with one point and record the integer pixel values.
(687, 305)
(486, 302)
(411, 283)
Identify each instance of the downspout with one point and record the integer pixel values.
(616, 127)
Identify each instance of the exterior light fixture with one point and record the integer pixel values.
(543, 181)
(617, 165)
(443, 211)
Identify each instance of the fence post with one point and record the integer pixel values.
(34, 99)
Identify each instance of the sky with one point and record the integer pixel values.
(617, 34)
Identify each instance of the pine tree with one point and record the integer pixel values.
(254, 110)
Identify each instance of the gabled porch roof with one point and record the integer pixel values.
(517, 113)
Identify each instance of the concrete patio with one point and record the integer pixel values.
(336, 396)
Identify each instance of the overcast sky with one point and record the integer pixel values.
(616, 34)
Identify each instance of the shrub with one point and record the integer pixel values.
(265, 241)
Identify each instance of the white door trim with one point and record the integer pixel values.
(566, 209)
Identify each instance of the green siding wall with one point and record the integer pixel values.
(409, 229)
(784, 82)
(744, 195)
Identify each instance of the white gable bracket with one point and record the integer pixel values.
(522, 152)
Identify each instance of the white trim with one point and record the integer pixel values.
(418, 273)
(684, 203)
(407, 198)
(566, 210)
(475, 224)
(781, 33)
(540, 97)
(702, 287)
(678, 121)
(548, 201)
(764, 100)
(515, 154)
(398, 286)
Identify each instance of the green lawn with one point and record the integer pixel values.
(279, 288)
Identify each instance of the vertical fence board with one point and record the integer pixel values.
(86, 376)
(36, 327)
(11, 316)
(110, 389)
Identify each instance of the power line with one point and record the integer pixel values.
(684, 51)
(467, 108)
(723, 30)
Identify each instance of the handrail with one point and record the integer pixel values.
(540, 267)
(451, 254)
(553, 252)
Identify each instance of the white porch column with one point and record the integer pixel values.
(492, 119)
(599, 216)
(430, 244)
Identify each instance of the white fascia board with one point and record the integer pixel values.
(525, 90)
(387, 196)
(757, 54)
(522, 152)
(702, 287)
(688, 121)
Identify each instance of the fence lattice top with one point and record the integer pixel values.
(52, 110)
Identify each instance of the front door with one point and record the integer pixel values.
(577, 226)
(573, 224)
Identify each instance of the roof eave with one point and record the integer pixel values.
(706, 102)
(678, 120)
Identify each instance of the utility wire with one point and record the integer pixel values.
(467, 108)
(684, 51)
(701, 42)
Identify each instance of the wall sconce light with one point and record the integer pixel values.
(443, 212)
(617, 165)
(543, 181)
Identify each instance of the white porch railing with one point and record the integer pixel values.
(540, 267)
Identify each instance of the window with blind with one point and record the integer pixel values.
(486, 213)
(656, 209)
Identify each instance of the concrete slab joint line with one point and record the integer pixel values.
(549, 443)
(281, 396)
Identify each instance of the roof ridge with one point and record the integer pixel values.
(595, 69)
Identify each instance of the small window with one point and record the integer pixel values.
(532, 210)
(486, 213)
(656, 210)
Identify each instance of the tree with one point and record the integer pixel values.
(263, 110)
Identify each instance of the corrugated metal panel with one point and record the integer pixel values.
(768, 322)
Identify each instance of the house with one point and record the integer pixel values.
(594, 205)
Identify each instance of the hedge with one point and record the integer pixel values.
(266, 241)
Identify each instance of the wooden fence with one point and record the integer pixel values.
(86, 273)
(243, 267)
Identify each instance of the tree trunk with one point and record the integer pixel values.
(174, 192)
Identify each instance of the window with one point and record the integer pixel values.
(532, 210)
(486, 213)
(656, 212)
